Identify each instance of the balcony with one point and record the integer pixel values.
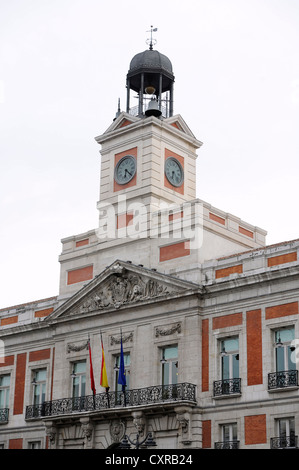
(283, 379)
(227, 387)
(155, 395)
(227, 445)
(286, 442)
(4, 415)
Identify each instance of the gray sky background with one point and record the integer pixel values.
(63, 66)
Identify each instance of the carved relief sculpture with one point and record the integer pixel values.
(120, 289)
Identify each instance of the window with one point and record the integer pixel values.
(229, 349)
(283, 349)
(169, 363)
(285, 428)
(127, 362)
(4, 390)
(230, 382)
(229, 432)
(34, 445)
(39, 386)
(229, 437)
(79, 379)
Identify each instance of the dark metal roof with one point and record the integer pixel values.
(150, 60)
(146, 69)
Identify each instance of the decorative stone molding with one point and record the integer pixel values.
(51, 434)
(169, 331)
(139, 422)
(73, 347)
(87, 429)
(183, 415)
(117, 430)
(117, 340)
(122, 288)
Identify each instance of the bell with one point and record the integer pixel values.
(153, 109)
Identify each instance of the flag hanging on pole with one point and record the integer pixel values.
(92, 383)
(122, 373)
(104, 380)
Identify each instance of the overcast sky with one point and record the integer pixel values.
(63, 66)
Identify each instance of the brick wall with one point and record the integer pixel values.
(282, 310)
(205, 355)
(176, 250)
(20, 384)
(80, 275)
(227, 320)
(255, 429)
(254, 347)
(228, 271)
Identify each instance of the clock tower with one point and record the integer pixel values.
(148, 153)
(148, 210)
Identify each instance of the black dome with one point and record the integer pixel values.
(150, 65)
(150, 60)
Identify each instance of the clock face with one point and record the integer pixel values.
(125, 169)
(174, 172)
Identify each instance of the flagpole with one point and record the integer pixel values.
(92, 382)
(104, 380)
(122, 373)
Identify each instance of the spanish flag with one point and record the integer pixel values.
(104, 380)
(92, 384)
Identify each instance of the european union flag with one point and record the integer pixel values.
(122, 373)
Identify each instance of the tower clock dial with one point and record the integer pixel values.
(125, 169)
(174, 172)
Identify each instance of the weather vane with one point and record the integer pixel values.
(151, 41)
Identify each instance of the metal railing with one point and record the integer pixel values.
(134, 111)
(103, 401)
(283, 379)
(4, 415)
(227, 445)
(227, 387)
(286, 442)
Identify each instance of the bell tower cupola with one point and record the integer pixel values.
(151, 76)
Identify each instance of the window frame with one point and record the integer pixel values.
(40, 383)
(77, 374)
(117, 386)
(6, 389)
(172, 363)
(230, 354)
(285, 347)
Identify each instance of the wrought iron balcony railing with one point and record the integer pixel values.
(103, 401)
(283, 379)
(227, 445)
(227, 387)
(4, 415)
(286, 442)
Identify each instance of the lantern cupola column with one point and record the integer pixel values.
(151, 73)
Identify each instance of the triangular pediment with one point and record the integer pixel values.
(122, 284)
(180, 124)
(122, 120)
(125, 121)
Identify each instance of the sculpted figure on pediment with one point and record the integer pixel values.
(121, 289)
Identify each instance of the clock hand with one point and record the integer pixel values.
(127, 171)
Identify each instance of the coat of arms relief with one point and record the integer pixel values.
(122, 287)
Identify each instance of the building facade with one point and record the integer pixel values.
(202, 312)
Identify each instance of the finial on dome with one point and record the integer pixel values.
(151, 42)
